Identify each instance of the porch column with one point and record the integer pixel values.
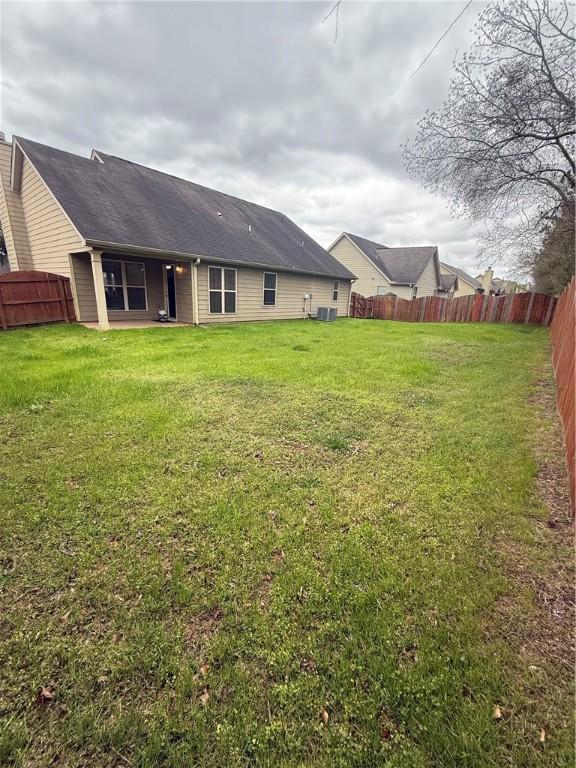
(195, 313)
(96, 260)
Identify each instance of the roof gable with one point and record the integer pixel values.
(402, 266)
(116, 202)
(449, 282)
(462, 275)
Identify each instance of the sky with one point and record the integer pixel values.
(254, 99)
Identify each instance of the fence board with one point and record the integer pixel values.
(32, 298)
(563, 336)
(537, 308)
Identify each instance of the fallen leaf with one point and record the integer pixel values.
(204, 697)
(497, 713)
(44, 696)
(325, 716)
(204, 669)
(308, 665)
(542, 737)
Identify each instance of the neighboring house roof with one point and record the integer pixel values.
(113, 202)
(402, 266)
(448, 282)
(463, 275)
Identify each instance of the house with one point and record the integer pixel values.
(497, 286)
(464, 284)
(450, 285)
(405, 272)
(135, 241)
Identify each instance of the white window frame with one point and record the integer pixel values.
(222, 291)
(336, 290)
(125, 286)
(275, 289)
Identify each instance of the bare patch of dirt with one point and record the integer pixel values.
(202, 628)
(539, 610)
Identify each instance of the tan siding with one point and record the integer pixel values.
(428, 282)
(184, 313)
(402, 291)
(50, 234)
(464, 288)
(289, 296)
(369, 278)
(12, 215)
(83, 283)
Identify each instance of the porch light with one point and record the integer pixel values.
(179, 268)
(168, 266)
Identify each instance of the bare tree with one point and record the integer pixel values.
(501, 147)
(552, 264)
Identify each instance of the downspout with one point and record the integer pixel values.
(195, 314)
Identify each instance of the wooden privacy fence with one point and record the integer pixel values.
(30, 298)
(563, 335)
(536, 308)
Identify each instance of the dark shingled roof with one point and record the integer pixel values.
(400, 265)
(122, 203)
(447, 282)
(464, 275)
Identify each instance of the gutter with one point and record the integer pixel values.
(137, 249)
(195, 313)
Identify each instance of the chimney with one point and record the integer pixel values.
(487, 280)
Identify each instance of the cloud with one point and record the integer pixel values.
(254, 99)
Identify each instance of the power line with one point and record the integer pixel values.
(331, 11)
(335, 7)
(462, 12)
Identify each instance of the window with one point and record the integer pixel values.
(335, 290)
(222, 290)
(414, 291)
(124, 285)
(270, 279)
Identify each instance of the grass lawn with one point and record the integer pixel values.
(278, 544)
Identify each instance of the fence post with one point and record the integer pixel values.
(395, 313)
(529, 310)
(3, 322)
(63, 299)
(549, 310)
(422, 309)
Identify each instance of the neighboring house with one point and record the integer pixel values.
(465, 283)
(497, 286)
(485, 283)
(449, 285)
(405, 272)
(135, 241)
